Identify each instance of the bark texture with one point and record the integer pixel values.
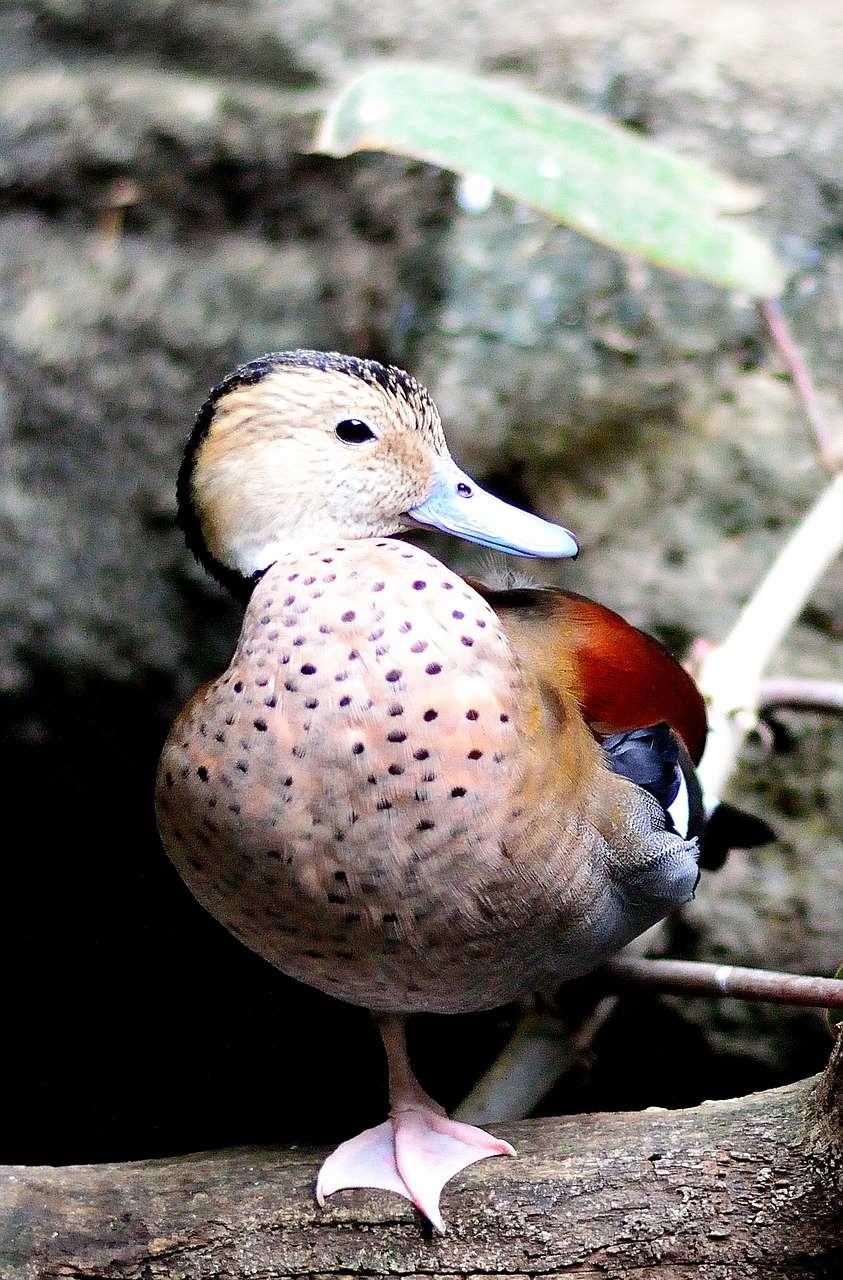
(748, 1186)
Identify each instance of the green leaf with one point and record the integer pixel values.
(595, 176)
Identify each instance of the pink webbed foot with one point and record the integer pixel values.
(414, 1153)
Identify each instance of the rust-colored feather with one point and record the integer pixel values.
(621, 677)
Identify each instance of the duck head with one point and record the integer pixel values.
(309, 446)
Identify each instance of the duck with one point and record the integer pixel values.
(411, 790)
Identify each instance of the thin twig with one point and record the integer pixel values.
(594, 1023)
(696, 978)
(730, 675)
(539, 1051)
(802, 382)
(801, 695)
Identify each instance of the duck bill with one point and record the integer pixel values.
(457, 505)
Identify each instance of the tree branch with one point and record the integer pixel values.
(698, 978)
(744, 1186)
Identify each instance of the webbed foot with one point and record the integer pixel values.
(414, 1153)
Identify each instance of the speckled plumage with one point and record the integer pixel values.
(396, 792)
(356, 798)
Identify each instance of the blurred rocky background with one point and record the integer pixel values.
(162, 219)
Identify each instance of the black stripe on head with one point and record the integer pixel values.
(392, 380)
(188, 520)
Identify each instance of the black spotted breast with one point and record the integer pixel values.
(337, 798)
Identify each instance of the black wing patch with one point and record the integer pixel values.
(655, 760)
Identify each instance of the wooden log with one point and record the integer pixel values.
(748, 1186)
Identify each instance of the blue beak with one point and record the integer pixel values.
(457, 505)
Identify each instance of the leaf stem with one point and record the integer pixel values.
(802, 381)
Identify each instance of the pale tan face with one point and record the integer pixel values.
(273, 471)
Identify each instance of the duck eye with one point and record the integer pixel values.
(353, 431)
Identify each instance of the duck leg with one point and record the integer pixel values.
(417, 1150)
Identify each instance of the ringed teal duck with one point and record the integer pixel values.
(408, 790)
